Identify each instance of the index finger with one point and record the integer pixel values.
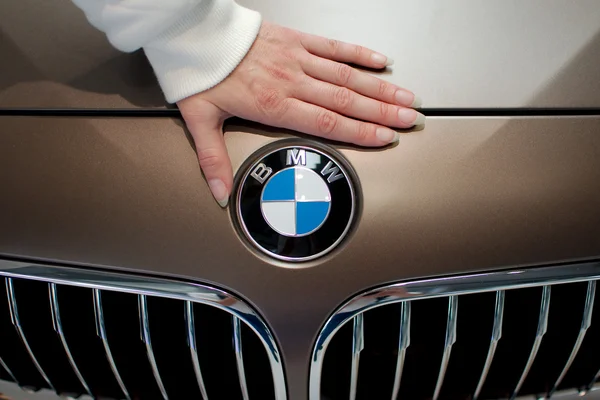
(344, 52)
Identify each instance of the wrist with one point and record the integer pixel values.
(202, 48)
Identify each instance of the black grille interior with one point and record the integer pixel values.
(468, 355)
(169, 339)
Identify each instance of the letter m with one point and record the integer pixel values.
(295, 157)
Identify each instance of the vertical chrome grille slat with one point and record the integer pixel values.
(593, 382)
(239, 357)
(496, 335)
(450, 340)
(3, 365)
(541, 331)
(191, 337)
(145, 334)
(101, 332)
(403, 343)
(358, 344)
(57, 324)
(585, 324)
(14, 316)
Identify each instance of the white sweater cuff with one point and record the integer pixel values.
(202, 48)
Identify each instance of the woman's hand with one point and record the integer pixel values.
(298, 81)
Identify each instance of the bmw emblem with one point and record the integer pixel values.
(295, 202)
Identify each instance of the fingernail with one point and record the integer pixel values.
(381, 59)
(407, 98)
(417, 102)
(387, 135)
(219, 191)
(411, 117)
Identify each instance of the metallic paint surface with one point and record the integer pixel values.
(458, 53)
(462, 195)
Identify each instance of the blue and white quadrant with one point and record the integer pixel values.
(295, 201)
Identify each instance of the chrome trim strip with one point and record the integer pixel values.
(450, 340)
(191, 338)
(239, 356)
(403, 343)
(358, 344)
(539, 335)
(168, 288)
(585, 324)
(441, 287)
(145, 336)
(568, 394)
(58, 328)
(16, 321)
(496, 335)
(3, 365)
(101, 332)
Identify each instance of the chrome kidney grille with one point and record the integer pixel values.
(108, 335)
(529, 333)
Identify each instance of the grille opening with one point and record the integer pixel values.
(4, 374)
(79, 326)
(476, 318)
(12, 351)
(33, 305)
(122, 322)
(256, 363)
(169, 341)
(564, 320)
(585, 366)
(424, 355)
(521, 314)
(469, 352)
(214, 340)
(116, 344)
(378, 358)
(336, 366)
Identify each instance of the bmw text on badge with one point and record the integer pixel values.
(296, 202)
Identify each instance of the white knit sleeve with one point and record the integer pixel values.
(192, 45)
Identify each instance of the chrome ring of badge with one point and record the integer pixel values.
(296, 200)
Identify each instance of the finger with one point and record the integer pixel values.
(352, 104)
(360, 82)
(344, 52)
(205, 122)
(318, 121)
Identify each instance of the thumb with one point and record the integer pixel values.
(205, 122)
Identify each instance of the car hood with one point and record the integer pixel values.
(454, 54)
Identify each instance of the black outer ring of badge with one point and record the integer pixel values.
(294, 249)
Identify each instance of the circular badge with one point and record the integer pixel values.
(296, 202)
